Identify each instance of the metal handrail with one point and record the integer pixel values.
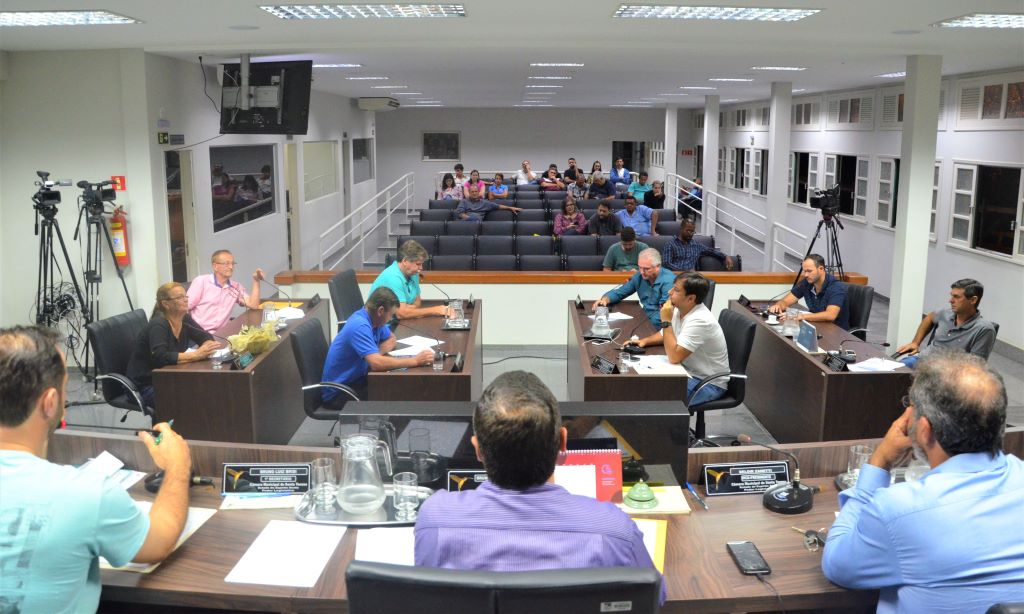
(439, 175)
(777, 243)
(405, 195)
(244, 209)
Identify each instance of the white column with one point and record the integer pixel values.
(778, 161)
(671, 138)
(917, 155)
(710, 178)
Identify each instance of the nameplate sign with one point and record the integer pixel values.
(465, 479)
(265, 478)
(743, 478)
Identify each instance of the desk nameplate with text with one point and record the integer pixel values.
(743, 478)
(265, 478)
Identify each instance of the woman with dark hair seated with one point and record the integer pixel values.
(166, 339)
(570, 221)
(450, 189)
(655, 199)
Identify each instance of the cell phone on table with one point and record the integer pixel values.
(748, 558)
(600, 341)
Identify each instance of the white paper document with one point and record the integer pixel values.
(393, 545)
(103, 464)
(233, 502)
(875, 365)
(420, 342)
(658, 364)
(614, 316)
(287, 553)
(577, 479)
(195, 519)
(289, 313)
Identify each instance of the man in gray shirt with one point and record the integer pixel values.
(475, 208)
(959, 326)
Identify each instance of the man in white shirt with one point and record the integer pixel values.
(692, 336)
(525, 174)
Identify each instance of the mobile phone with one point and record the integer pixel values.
(748, 558)
(579, 303)
(600, 341)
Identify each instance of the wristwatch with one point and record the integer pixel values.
(666, 324)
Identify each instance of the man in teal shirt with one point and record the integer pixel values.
(403, 278)
(624, 255)
(651, 284)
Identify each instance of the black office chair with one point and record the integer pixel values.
(1006, 608)
(310, 348)
(584, 263)
(496, 262)
(345, 295)
(739, 339)
(379, 588)
(710, 298)
(435, 215)
(112, 340)
(858, 307)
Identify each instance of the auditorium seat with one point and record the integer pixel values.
(578, 245)
(458, 245)
(443, 204)
(584, 263)
(542, 246)
(604, 243)
(531, 204)
(452, 263)
(532, 215)
(497, 228)
(532, 228)
(555, 196)
(710, 263)
(668, 228)
(666, 215)
(429, 242)
(462, 227)
(527, 187)
(706, 240)
(617, 203)
(534, 262)
(494, 245)
(488, 262)
(657, 242)
(435, 215)
(426, 228)
(500, 215)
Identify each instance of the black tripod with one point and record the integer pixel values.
(51, 303)
(833, 259)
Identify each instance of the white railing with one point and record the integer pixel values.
(782, 241)
(244, 211)
(378, 210)
(487, 176)
(676, 184)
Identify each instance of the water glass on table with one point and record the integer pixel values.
(858, 455)
(324, 483)
(406, 495)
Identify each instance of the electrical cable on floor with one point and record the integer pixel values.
(513, 357)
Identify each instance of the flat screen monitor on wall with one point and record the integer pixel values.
(278, 98)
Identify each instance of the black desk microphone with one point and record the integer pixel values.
(785, 497)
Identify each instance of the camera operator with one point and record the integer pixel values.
(825, 295)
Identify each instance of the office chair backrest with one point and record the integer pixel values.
(112, 340)
(710, 298)
(858, 307)
(310, 349)
(386, 589)
(739, 339)
(345, 294)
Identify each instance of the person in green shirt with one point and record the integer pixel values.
(403, 278)
(623, 255)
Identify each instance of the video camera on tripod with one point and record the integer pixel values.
(46, 199)
(827, 201)
(95, 194)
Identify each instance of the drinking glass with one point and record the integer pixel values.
(324, 482)
(625, 360)
(438, 363)
(858, 455)
(406, 495)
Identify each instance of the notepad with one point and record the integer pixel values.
(655, 533)
(287, 553)
(196, 517)
(393, 545)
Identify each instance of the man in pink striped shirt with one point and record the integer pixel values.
(211, 297)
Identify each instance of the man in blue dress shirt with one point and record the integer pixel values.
(640, 218)
(952, 541)
(825, 295)
(519, 520)
(651, 284)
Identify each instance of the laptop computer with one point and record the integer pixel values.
(807, 338)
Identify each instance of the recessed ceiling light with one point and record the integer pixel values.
(985, 20)
(631, 106)
(366, 78)
(63, 18)
(533, 106)
(728, 13)
(428, 102)
(556, 65)
(638, 102)
(408, 93)
(337, 65)
(800, 90)
(731, 80)
(781, 68)
(731, 100)
(652, 99)
(696, 87)
(364, 11)
(892, 75)
(544, 86)
(388, 87)
(552, 78)
(673, 94)
(423, 106)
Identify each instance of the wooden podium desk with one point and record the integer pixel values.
(425, 384)
(798, 399)
(699, 574)
(261, 403)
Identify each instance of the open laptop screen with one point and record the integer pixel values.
(807, 338)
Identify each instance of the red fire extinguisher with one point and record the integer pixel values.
(119, 236)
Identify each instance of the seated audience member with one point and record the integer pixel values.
(449, 189)
(959, 326)
(212, 297)
(363, 345)
(460, 177)
(266, 182)
(550, 181)
(248, 192)
(694, 197)
(519, 520)
(578, 188)
(692, 336)
(682, 253)
(639, 188)
(570, 221)
(224, 190)
(600, 188)
(624, 255)
(475, 182)
(57, 519)
(166, 339)
(572, 172)
(402, 277)
(953, 540)
(642, 219)
(595, 167)
(655, 199)
(651, 283)
(603, 222)
(554, 167)
(475, 208)
(619, 174)
(525, 174)
(498, 190)
(825, 295)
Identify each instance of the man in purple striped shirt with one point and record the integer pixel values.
(519, 520)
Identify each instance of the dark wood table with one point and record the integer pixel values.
(261, 403)
(425, 384)
(797, 398)
(699, 574)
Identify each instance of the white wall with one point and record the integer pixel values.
(497, 139)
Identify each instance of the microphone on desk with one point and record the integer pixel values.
(447, 299)
(776, 297)
(785, 497)
(266, 281)
(850, 355)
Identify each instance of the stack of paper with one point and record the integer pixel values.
(658, 364)
(394, 545)
(414, 345)
(875, 365)
(196, 517)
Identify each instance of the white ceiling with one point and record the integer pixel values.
(483, 60)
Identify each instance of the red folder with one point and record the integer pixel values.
(607, 469)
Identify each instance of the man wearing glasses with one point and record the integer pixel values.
(211, 297)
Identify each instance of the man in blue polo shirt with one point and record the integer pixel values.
(363, 345)
(825, 295)
(403, 278)
(640, 218)
(651, 285)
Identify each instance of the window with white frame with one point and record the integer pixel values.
(988, 208)
(759, 175)
(698, 121)
(844, 171)
(891, 116)
(935, 198)
(806, 115)
(739, 163)
(698, 162)
(851, 111)
(803, 176)
(762, 117)
(888, 192)
(860, 190)
(992, 102)
(738, 119)
(721, 166)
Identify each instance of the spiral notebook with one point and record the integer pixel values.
(594, 473)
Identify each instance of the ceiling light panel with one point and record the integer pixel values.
(543, 86)
(696, 87)
(366, 78)
(779, 68)
(552, 78)
(892, 75)
(63, 18)
(337, 65)
(365, 11)
(408, 93)
(389, 87)
(721, 13)
(556, 65)
(730, 80)
(986, 20)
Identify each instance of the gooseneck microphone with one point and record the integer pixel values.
(785, 497)
(269, 283)
(447, 299)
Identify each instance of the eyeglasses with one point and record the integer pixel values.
(905, 401)
(235, 263)
(183, 297)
